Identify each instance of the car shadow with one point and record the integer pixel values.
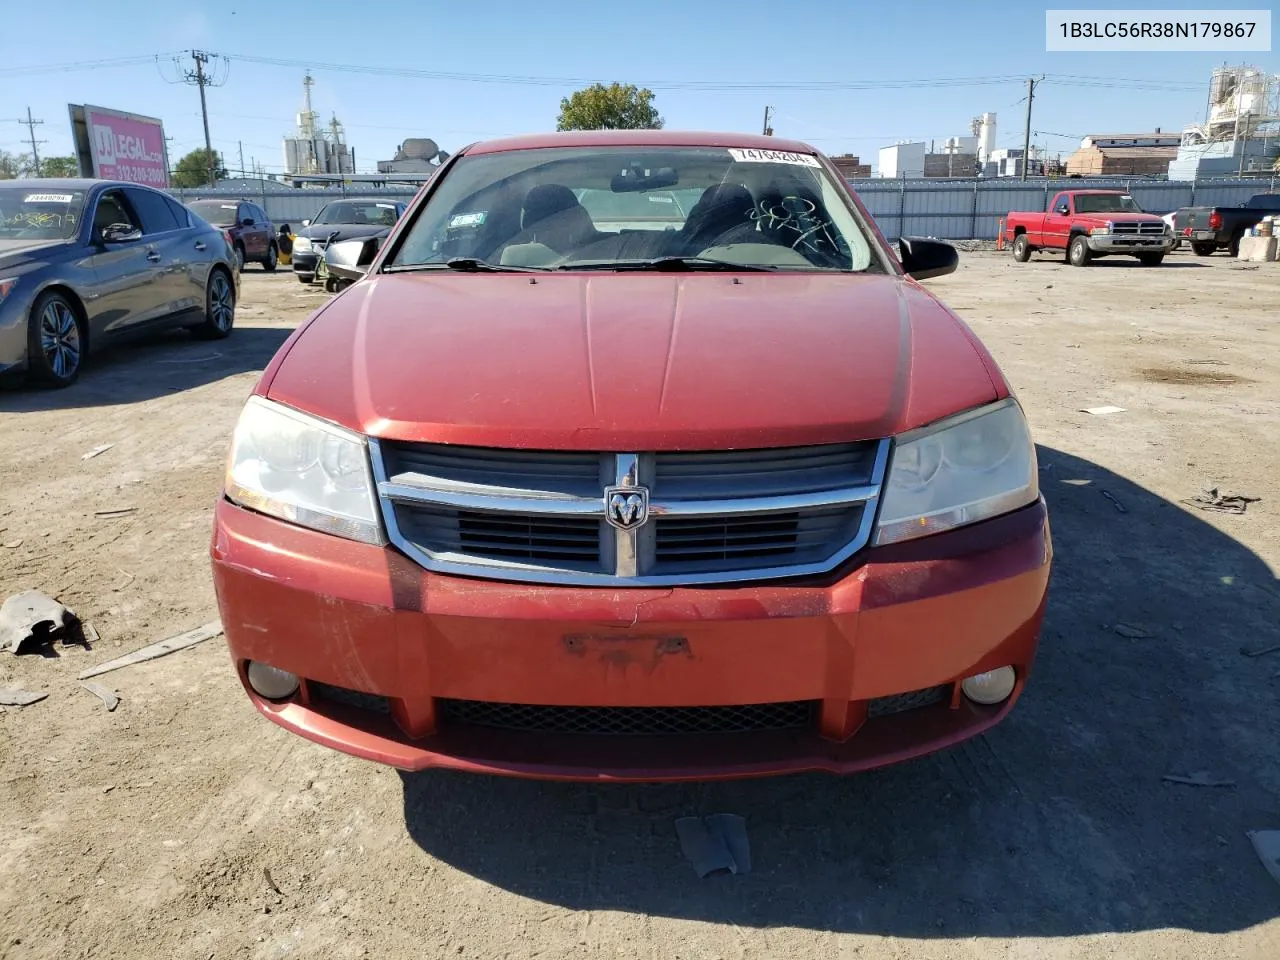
(151, 367)
(1056, 823)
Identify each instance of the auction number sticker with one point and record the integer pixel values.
(48, 198)
(774, 156)
(466, 220)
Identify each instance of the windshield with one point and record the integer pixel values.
(32, 214)
(563, 207)
(217, 212)
(1106, 203)
(379, 213)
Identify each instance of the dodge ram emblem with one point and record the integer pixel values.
(626, 507)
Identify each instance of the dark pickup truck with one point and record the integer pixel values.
(1220, 228)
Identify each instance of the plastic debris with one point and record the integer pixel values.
(102, 693)
(715, 844)
(96, 451)
(1211, 499)
(1132, 632)
(1114, 502)
(117, 512)
(1199, 778)
(1261, 651)
(19, 698)
(1266, 843)
(1102, 411)
(157, 650)
(32, 617)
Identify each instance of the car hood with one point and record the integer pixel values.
(345, 231)
(633, 361)
(15, 254)
(1122, 217)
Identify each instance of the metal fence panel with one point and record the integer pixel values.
(947, 209)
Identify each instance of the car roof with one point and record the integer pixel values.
(639, 138)
(358, 199)
(64, 183)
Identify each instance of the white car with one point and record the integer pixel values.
(1168, 218)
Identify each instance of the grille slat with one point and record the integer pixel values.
(760, 473)
(629, 721)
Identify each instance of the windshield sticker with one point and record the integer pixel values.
(48, 198)
(385, 206)
(774, 156)
(466, 220)
(662, 199)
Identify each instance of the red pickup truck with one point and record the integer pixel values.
(1088, 224)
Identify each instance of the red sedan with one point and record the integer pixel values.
(635, 455)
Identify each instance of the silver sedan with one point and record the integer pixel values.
(84, 263)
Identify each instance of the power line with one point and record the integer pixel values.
(31, 125)
(202, 78)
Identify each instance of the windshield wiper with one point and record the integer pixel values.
(673, 264)
(463, 264)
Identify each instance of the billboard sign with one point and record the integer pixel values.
(113, 145)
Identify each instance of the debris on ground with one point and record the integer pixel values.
(1132, 631)
(1261, 652)
(1114, 502)
(96, 451)
(152, 652)
(117, 512)
(1200, 778)
(271, 882)
(212, 356)
(102, 693)
(33, 618)
(1266, 843)
(1102, 411)
(1211, 499)
(715, 844)
(19, 698)
(13, 545)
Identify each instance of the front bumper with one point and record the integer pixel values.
(907, 618)
(1131, 243)
(305, 263)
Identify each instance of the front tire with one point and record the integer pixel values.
(273, 258)
(1078, 253)
(1204, 249)
(1151, 259)
(219, 308)
(1021, 248)
(239, 257)
(55, 342)
(307, 278)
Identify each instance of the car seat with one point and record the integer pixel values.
(554, 217)
(722, 215)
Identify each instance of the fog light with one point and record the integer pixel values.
(991, 687)
(271, 683)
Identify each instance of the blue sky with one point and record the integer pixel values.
(550, 45)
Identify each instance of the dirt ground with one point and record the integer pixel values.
(182, 825)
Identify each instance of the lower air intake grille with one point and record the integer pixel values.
(902, 702)
(347, 698)
(630, 721)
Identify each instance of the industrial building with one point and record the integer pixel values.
(315, 149)
(1241, 132)
(417, 155)
(851, 167)
(1124, 155)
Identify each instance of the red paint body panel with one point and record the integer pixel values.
(1047, 229)
(368, 619)
(634, 361)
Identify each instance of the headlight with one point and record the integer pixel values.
(302, 245)
(965, 469)
(6, 287)
(304, 470)
(1099, 231)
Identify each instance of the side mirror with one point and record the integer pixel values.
(923, 258)
(247, 222)
(350, 259)
(120, 233)
(1063, 209)
(306, 223)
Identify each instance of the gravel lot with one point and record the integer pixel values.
(182, 825)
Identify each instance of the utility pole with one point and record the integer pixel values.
(768, 130)
(240, 144)
(31, 129)
(202, 80)
(1026, 140)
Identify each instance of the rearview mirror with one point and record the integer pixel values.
(923, 258)
(120, 233)
(636, 178)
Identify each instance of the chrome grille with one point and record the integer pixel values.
(629, 721)
(1154, 228)
(540, 516)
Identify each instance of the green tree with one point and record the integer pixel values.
(615, 107)
(10, 166)
(59, 167)
(193, 169)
